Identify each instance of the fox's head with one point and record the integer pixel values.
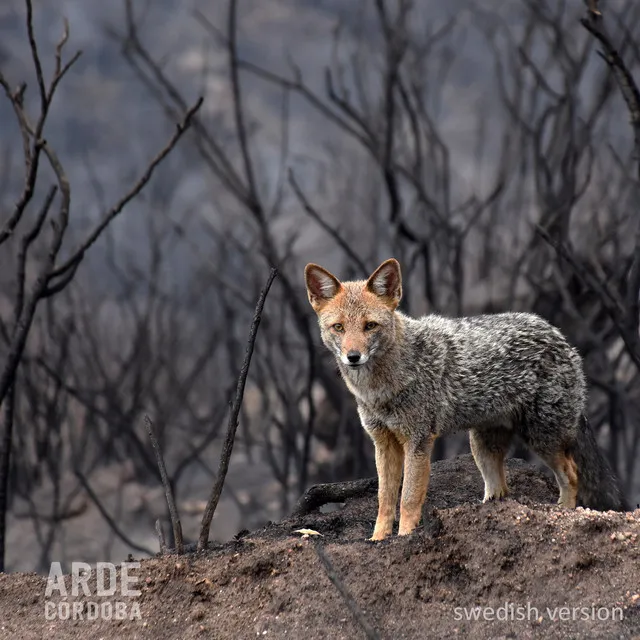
(357, 319)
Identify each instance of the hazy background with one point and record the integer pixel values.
(441, 134)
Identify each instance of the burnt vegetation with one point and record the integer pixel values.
(529, 202)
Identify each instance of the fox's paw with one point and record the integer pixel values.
(408, 525)
(378, 536)
(406, 532)
(382, 529)
(493, 499)
(496, 495)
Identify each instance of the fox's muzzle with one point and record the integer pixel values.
(354, 358)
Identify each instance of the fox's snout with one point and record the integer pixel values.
(354, 358)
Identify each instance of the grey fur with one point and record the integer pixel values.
(496, 375)
(598, 486)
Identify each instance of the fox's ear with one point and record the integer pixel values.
(321, 285)
(386, 282)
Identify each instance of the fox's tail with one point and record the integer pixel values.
(598, 486)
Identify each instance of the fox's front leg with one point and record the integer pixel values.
(389, 467)
(417, 468)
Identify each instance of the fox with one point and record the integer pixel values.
(497, 376)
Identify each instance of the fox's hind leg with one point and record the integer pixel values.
(554, 453)
(489, 447)
(566, 472)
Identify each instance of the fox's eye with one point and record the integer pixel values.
(370, 325)
(338, 327)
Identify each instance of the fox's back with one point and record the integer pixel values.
(492, 367)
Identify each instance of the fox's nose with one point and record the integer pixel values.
(353, 357)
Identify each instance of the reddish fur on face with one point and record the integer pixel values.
(353, 307)
(354, 304)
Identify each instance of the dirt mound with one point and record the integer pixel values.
(516, 568)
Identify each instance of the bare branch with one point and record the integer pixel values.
(626, 83)
(238, 109)
(232, 426)
(320, 494)
(109, 520)
(78, 254)
(328, 228)
(173, 510)
(608, 296)
(44, 102)
(161, 540)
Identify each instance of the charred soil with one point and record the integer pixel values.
(519, 568)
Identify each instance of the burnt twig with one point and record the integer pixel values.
(161, 541)
(227, 447)
(626, 83)
(109, 520)
(168, 491)
(78, 254)
(320, 494)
